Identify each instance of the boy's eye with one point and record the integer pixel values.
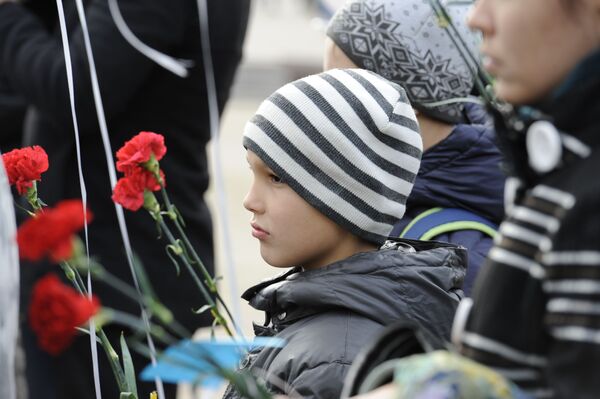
(275, 179)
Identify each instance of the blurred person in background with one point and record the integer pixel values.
(460, 170)
(137, 95)
(12, 105)
(539, 297)
(534, 314)
(12, 113)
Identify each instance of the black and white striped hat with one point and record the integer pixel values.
(347, 141)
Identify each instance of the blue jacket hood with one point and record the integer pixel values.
(462, 171)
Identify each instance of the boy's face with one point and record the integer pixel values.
(291, 232)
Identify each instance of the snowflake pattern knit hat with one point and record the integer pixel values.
(405, 41)
(346, 141)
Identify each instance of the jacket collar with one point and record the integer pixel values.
(369, 283)
(575, 105)
(572, 108)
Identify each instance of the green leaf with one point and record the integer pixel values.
(161, 312)
(202, 309)
(128, 367)
(170, 252)
(127, 395)
(113, 359)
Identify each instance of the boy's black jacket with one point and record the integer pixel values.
(327, 315)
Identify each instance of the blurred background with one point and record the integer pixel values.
(284, 42)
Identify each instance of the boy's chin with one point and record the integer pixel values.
(274, 260)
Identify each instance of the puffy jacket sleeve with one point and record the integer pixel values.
(572, 314)
(33, 61)
(316, 382)
(478, 245)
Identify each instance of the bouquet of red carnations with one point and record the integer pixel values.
(57, 311)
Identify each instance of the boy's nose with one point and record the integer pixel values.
(251, 202)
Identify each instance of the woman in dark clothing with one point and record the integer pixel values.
(137, 95)
(534, 316)
(539, 297)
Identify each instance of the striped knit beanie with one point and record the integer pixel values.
(346, 141)
(405, 41)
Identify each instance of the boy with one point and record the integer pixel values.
(404, 42)
(334, 157)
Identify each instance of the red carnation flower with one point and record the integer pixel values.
(139, 150)
(55, 310)
(51, 232)
(24, 165)
(129, 193)
(129, 190)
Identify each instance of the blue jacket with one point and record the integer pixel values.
(462, 171)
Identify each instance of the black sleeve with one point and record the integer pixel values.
(573, 302)
(33, 60)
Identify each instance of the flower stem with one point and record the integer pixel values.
(156, 307)
(32, 197)
(135, 323)
(212, 286)
(72, 277)
(210, 282)
(113, 358)
(213, 308)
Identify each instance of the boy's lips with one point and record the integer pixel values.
(258, 232)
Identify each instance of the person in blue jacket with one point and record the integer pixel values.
(458, 195)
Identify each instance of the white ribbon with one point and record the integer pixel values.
(178, 67)
(69, 70)
(213, 109)
(112, 175)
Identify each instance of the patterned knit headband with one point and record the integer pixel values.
(404, 41)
